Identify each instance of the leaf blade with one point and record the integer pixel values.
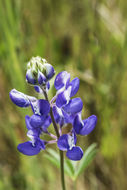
(86, 160)
(54, 158)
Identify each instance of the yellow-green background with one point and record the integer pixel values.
(88, 38)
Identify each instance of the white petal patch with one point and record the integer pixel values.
(60, 90)
(71, 141)
(31, 98)
(19, 94)
(35, 107)
(48, 68)
(30, 134)
(66, 78)
(80, 118)
(67, 94)
(59, 111)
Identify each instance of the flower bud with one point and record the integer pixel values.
(30, 77)
(49, 71)
(39, 71)
(41, 78)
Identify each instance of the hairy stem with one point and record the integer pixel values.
(58, 135)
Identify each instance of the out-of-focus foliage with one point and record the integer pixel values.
(71, 168)
(89, 40)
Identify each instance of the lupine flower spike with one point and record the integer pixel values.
(62, 109)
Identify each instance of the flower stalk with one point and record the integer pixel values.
(58, 135)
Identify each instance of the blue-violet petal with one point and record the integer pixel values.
(36, 120)
(78, 123)
(19, 98)
(49, 70)
(28, 149)
(61, 79)
(75, 86)
(89, 125)
(27, 121)
(62, 142)
(75, 153)
(30, 78)
(74, 106)
(41, 78)
(44, 106)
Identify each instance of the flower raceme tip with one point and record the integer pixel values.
(39, 71)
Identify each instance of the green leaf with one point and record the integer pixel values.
(54, 154)
(54, 158)
(86, 160)
(69, 165)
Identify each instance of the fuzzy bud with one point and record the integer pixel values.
(39, 71)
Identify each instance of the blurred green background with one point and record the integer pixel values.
(88, 38)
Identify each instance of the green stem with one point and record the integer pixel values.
(58, 135)
(74, 185)
(62, 169)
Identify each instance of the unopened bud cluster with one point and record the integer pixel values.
(39, 71)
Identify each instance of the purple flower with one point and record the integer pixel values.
(66, 108)
(67, 143)
(61, 80)
(34, 146)
(74, 106)
(62, 117)
(40, 107)
(66, 89)
(30, 149)
(21, 99)
(37, 121)
(36, 125)
(84, 127)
